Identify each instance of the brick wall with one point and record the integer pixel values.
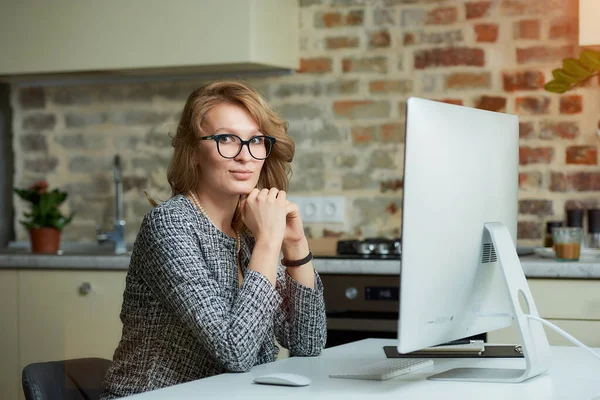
(360, 60)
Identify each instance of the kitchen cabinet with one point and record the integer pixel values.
(142, 37)
(571, 304)
(10, 375)
(68, 314)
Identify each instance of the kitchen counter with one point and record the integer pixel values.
(533, 266)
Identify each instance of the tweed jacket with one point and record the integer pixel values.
(184, 315)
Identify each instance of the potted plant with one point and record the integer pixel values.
(574, 72)
(45, 221)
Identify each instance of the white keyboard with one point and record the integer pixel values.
(386, 369)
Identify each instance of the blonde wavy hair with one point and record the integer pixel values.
(183, 173)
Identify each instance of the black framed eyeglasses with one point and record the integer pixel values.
(230, 145)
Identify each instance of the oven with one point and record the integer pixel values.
(360, 306)
(361, 286)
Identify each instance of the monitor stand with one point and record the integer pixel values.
(536, 350)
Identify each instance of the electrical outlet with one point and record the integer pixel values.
(332, 208)
(320, 208)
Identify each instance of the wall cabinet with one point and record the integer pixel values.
(573, 305)
(69, 314)
(141, 37)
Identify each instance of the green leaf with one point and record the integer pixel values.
(561, 76)
(574, 67)
(590, 59)
(557, 86)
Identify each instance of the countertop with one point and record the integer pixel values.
(533, 265)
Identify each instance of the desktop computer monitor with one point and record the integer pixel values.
(460, 273)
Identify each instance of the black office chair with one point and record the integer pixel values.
(77, 379)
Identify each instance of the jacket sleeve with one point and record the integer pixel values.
(175, 270)
(301, 325)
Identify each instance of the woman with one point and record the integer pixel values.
(205, 291)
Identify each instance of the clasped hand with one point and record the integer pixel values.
(271, 217)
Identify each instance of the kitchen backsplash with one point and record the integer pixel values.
(360, 60)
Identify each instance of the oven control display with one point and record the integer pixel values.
(389, 293)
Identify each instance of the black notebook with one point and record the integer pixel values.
(504, 351)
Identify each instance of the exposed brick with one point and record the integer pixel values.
(491, 103)
(544, 54)
(412, 18)
(32, 98)
(138, 117)
(391, 133)
(341, 42)
(361, 109)
(535, 155)
(353, 180)
(39, 122)
(469, 80)
(339, 19)
(527, 80)
(72, 95)
(486, 33)
(564, 28)
(315, 65)
(81, 120)
(583, 181)
(341, 86)
(526, 130)
(380, 39)
(535, 207)
(563, 130)
(536, 7)
(367, 64)
(85, 141)
(43, 165)
(530, 180)
(33, 142)
(391, 86)
(392, 185)
(442, 16)
(449, 57)
(526, 29)
(382, 159)
(300, 111)
(384, 16)
(586, 155)
(134, 182)
(477, 9)
(532, 105)
(529, 230)
(558, 182)
(392, 208)
(363, 134)
(446, 38)
(345, 160)
(571, 104)
(308, 3)
(457, 102)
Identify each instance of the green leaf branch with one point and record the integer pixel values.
(45, 204)
(574, 72)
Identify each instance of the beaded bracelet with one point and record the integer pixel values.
(297, 263)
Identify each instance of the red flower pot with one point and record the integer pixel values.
(44, 240)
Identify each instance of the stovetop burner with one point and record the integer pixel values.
(370, 248)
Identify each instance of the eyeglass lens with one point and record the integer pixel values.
(230, 146)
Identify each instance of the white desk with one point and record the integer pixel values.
(575, 374)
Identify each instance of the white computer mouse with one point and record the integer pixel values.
(283, 379)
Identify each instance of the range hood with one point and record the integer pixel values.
(73, 38)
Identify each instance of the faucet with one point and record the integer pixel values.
(117, 235)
